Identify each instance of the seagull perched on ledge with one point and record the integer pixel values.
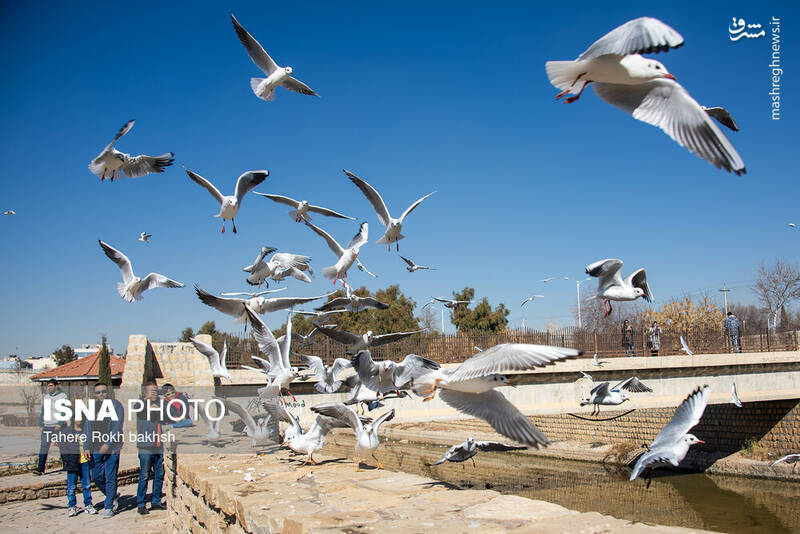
(366, 434)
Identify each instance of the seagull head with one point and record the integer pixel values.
(691, 439)
(288, 70)
(625, 397)
(647, 69)
(501, 380)
(639, 292)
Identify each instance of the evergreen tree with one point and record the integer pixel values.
(104, 369)
(482, 318)
(64, 355)
(186, 334)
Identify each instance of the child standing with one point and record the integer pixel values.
(76, 464)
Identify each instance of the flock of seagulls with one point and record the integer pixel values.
(622, 77)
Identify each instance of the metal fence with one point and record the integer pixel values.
(455, 348)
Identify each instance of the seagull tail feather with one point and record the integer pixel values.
(563, 73)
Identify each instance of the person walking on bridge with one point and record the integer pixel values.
(627, 339)
(654, 338)
(732, 331)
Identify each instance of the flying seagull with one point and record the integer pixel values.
(723, 117)
(734, 396)
(611, 286)
(132, 287)
(603, 395)
(302, 207)
(791, 225)
(530, 299)
(685, 347)
(366, 434)
(230, 204)
(217, 362)
(365, 341)
(469, 388)
(643, 88)
(252, 295)
(281, 372)
(111, 162)
(412, 267)
(390, 375)
(366, 394)
(144, 237)
(279, 266)
(326, 374)
(264, 88)
(235, 307)
(545, 280)
(393, 226)
(352, 302)
(347, 256)
(466, 450)
(448, 303)
(9, 212)
(673, 442)
(789, 459)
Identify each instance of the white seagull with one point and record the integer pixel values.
(252, 294)
(643, 88)
(685, 348)
(366, 434)
(9, 212)
(469, 388)
(722, 116)
(302, 207)
(230, 204)
(530, 299)
(281, 372)
(235, 307)
(734, 396)
(352, 302)
(279, 266)
(603, 395)
(789, 459)
(259, 431)
(673, 442)
(448, 303)
(144, 237)
(611, 286)
(545, 280)
(111, 162)
(217, 362)
(393, 226)
(326, 374)
(347, 256)
(264, 88)
(132, 287)
(312, 441)
(466, 450)
(391, 376)
(412, 267)
(596, 361)
(365, 341)
(366, 394)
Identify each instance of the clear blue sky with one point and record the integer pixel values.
(415, 97)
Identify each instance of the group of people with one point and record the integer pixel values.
(733, 336)
(90, 449)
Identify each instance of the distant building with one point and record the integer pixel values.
(42, 363)
(77, 377)
(87, 349)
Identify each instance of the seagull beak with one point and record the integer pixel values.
(700, 441)
(670, 76)
(512, 382)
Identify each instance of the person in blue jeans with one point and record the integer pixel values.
(105, 443)
(71, 441)
(50, 425)
(151, 450)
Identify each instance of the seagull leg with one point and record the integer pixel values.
(568, 89)
(380, 465)
(397, 244)
(335, 278)
(234, 225)
(572, 99)
(223, 226)
(432, 388)
(311, 459)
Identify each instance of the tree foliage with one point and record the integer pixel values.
(208, 328)
(64, 355)
(685, 317)
(104, 365)
(776, 286)
(481, 318)
(186, 333)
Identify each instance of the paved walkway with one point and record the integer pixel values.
(50, 515)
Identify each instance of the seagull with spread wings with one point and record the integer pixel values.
(468, 449)
(313, 440)
(413, 267)
(366, 434)
(144, 237)
(352, 302)
(347, 256)
(264, 88)
(365, 341)
(448, 303)
(281, 373)
(391, 376)
(469, 388)
(643, 88)
(279, 266)
(230, 204)
(217, 362)
(685, 347)
(302, 208)
(326, 374)
(603, 394)
(111, 163)
(235, 307)
(393, 225)
(531, 299)
(132, 287)
(735, 397)
(611, 286)
(673, 442)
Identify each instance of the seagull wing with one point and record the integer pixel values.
(410, 264)
(282, 303)
(412, 367)
(339, 411)
(413, 206)
(232, 307)
(280, 199)
(205, 183)
(666, 104)
(607, 272)
(632, 384)
(388, 416)
(122, 131)
(587, 375)
(315, 364)
(685, 347)
(340, 336)
(254, 49)
(372, 303)
(333, 304)
(142, 165)
(235, 408)
(267, 343)
(644, 35)
(510, 357)
(449, 454)
(265, 365)
(495, 409)
(364, 366)
(339, 364)
(328, 213)
(496, 446)
(374, 198)
(360, 238)
(723, 117)
(120, 259)
(686, 416)
(297, 86)
(247, 182)
(362, 268)
(209, 352)
(269, 400)
(639, 279)
(335, 247)
(789, 458)
(385, 339)
(601, 390)
(158, 280)
(734, 396)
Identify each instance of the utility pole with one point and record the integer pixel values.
(725, 291)
(578, 298)
(442, 320)
(523, 323)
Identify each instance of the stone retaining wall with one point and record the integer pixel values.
(56, 488)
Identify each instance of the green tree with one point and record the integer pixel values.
(399, 317)
(104, 365)
(186, 334)
(208, 328)
(64, 355)
(482, 318)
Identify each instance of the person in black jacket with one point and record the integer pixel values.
(151, 449)
(71, 442)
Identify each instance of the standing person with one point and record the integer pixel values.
(654, 338)
(151, 450)
(105, 439)
(627, 339)
(74, 457)
(177, 407)
(48, 422)
(732, 328)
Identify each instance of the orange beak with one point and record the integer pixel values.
(700, 441)
(670, 76)
(512, 382)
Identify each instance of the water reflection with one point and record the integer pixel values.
(726, 504)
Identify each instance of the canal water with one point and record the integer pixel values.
(725, 504)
